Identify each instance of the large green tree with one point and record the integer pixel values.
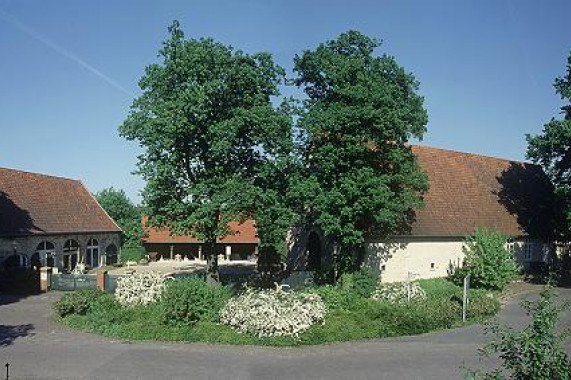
(124, 212)
(360, 113)
(208, 128)
(552, 148)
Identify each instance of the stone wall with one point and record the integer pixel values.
(26, 246)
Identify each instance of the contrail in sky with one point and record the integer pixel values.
(61, 50)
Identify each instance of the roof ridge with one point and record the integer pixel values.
(99, 205)
(40, 174)
(472, 154)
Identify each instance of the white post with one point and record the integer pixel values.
(228, 252)
(408, 290)
(465, 298)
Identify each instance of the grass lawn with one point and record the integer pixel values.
(350, 316)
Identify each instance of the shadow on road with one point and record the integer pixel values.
(6, 299)
(8, 334)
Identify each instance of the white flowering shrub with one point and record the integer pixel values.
(273, 312)
(140, 288)
(397, 292)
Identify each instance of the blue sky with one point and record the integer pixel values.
(69, 69)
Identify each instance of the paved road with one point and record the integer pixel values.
(38, 348)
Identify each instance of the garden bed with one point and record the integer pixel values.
(190, 312)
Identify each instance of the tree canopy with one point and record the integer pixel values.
(361, 111)
(209, 132)
(126, 214)
(552, 148)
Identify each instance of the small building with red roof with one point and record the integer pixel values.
(241, 244)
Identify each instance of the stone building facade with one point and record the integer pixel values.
(53, 221)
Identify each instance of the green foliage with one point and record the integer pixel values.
(349, 316)
(336, 297)
(107, 308)
(362, 282)
(78, 302)
(487, 261)
(440, 288)
(535, 352)
(132, 253)
(190, 300)
(482, 305)
(124, 213)
(552, 148)
(211, 139)
(361, 111)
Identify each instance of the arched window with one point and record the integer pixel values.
(70, 254)
(111, 254)
(92, 253)
(15, 261)
(46, 252)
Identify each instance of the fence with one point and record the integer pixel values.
(71, 282)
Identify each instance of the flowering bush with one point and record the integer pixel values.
(140, 288)
(397, 292)
(274, 312)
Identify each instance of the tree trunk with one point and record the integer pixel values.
(212, 274)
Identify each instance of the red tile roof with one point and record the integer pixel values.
(244, 233)
(469, 191)
(32, 204)
(466, 191)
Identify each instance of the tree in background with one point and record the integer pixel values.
(128, 216)
(362, 110)
(552, 148)
(208, 129)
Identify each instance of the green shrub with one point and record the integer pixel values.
(78, 302)
(107, 308)
(132, 253)
(482, 305)
(362, 282)
(434, 314)
(189, 300)
(440, 288)
(336, 297)
(487, 261)
(534, 353)
(365, 282)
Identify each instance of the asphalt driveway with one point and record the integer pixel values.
(38, 348)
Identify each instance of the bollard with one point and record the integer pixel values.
(45, 279)
(101, 280)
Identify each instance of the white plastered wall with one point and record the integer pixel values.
(428, 258)
(432, 257)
